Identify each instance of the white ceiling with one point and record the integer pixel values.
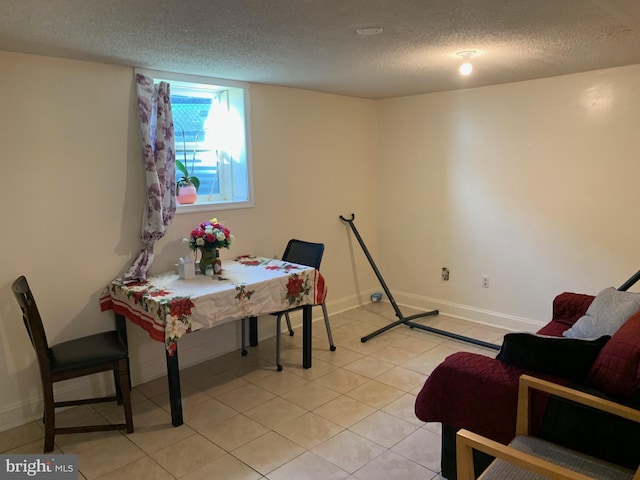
(312, 44)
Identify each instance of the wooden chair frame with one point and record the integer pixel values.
(467, 441)
(119, 367)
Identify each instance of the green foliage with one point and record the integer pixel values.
(186, 179)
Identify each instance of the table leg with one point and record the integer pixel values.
(121, 328)
(253, 331)
(306, 336)
(175, 398)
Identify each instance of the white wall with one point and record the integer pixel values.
(531, 183)
(72, 198)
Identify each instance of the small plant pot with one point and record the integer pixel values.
(187, 195)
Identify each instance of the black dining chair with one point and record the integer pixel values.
(83, 356)
(309, 254)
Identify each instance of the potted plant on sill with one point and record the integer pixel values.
(187, 186)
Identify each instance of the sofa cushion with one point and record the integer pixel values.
(472, 391)
(568, 307)
(553, 329)
(616, 369)
(563, 357)
(609, 310)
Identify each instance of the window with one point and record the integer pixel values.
(210, 118)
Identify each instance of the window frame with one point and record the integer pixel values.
(158, 76)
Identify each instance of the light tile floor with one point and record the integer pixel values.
(348, 417)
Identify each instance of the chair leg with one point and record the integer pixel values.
(116, 380)
(243, 334)
(286, 316)
(332, 347)
(278, 326)
(129, 373)
(122, 383)
(49, 418)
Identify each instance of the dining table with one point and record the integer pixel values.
(169, 307)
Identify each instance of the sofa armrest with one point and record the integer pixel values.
(598, 402)
(472, 391)
(592, 431)
(568, 307)
(468, 441)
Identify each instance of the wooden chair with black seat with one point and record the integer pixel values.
(82, 356)
(531, 458)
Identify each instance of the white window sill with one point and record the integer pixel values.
(211, 207)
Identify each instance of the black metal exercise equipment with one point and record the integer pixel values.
(402, 320)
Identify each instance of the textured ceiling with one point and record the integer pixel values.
(312, 44)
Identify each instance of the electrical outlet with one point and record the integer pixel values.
(484, 281)
(445, 274)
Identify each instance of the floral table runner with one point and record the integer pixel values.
(168, 307)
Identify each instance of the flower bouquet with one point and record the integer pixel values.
(208, 237)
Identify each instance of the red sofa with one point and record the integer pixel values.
(479, 393)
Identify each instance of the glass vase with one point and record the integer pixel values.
(210, 257)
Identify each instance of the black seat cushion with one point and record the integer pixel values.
(87, 352)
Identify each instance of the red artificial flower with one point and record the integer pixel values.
(294, 286)
(159, 293)
(137, 296)
(180, 307)
(210, 239)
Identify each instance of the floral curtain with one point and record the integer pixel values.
(159, 160)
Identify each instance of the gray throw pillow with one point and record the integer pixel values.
(608, 311)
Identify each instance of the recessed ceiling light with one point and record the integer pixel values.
(369, 31)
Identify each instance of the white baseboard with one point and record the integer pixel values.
(465, 312)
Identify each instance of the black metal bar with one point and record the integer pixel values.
(253, 331)
(373, 265)
(243, 335)
(420, 315)
(453, 335)
(121, 328)
(402, 320)
(306, 336)
(175, 397)
(381, 330)
(629, 283)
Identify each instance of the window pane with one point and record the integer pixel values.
(189, 117)
(210, 118)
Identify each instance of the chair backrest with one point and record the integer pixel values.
(32, 320)
(304, 253)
